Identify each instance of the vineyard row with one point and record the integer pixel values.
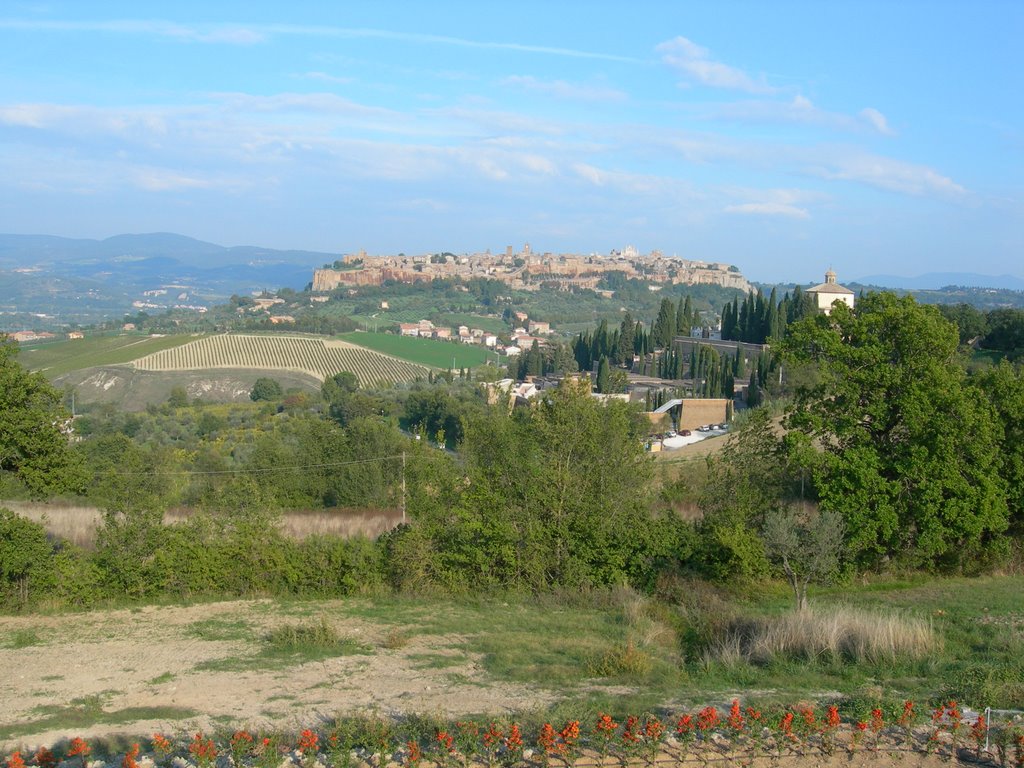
(289, 353)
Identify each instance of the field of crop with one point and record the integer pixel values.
(56, 358)
(303, 354)
(438, 354)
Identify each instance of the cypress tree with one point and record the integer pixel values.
(665, 326)
(627, 339)
(603, 375)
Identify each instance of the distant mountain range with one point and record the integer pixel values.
(935, 280)
(82, 281)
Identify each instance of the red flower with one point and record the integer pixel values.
(308, 741)
(79, 746)
(862, 726)
(684, 725)
(786, 724)
(415, 755)
(202, 749)
(630, 733)
(548, 739)
(492, 736)
(44, 758)
(514, 740)
(129, 757)
(15, 761)
(979, 730)
(832, 717)
(877, 723)
(446, 740)
(907, 717)
(654, 729)
(707, 719)
(571, 732)
(735, 719)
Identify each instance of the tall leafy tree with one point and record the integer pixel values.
(910, 454)
(550, 495)
(33, 445)
(1003, 386)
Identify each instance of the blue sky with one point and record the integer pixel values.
(783, 137)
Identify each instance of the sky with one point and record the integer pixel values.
(782, 137)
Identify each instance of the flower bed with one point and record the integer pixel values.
(737, 736)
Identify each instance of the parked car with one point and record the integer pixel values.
(686, 433)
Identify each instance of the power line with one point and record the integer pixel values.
(258, 470)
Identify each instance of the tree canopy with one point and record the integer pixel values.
(910, 454)
(33, 445)
(550, 495)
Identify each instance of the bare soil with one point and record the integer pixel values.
(159, 656)
(148, 657)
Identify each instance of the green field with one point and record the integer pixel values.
(56, 358)
(438, 354)
(455, 319)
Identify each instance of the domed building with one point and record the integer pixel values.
(829, 292)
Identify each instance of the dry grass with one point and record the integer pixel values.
(346, 523)
(78, 524)
(838, 633)
(70, 522)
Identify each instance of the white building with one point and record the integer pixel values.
(829, 292)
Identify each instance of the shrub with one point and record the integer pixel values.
(622, 660)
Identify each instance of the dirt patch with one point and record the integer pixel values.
(206, 659)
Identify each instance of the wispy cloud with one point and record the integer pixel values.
(877, 120)
(887, 173)
(231, 34)
(246, 34)
(769, 209)
(316, 103)
(560, 89)
(800, 110)
(694, 62)
(324, 77)
(785, 202)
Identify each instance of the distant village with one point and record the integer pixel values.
(527, 270)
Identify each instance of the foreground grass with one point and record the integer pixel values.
(966, 641)
(617, 651)
(86, 713)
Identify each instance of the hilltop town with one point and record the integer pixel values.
(527, 270)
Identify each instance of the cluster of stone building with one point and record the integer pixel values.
(527, 270)
(521, 339)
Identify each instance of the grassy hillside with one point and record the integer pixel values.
(56, 358)
(437, 354)
(132, 390)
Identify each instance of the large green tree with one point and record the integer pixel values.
(33, 423)
(1003, 386)
(910, 454)
(552, 495)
